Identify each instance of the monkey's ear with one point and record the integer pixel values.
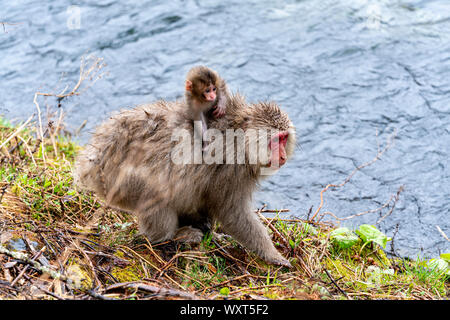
(188, 85)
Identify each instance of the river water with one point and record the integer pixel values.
(348, 73)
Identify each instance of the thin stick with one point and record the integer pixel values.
(37, 255)
(92, 73)
(393, 205)
(75, 243)
(51, 294)
(151, 264)
(336, 285)
(17, 131)
(386, 204)
(273, 211)
(258, 212)
(158, 291)
(140, 257)
(23, 257)
(150, 247)
(28, 149)
(442, 233)
(255, 288)
(376, 158)
(41, 132)
(4, 24)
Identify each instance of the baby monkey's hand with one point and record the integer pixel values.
(219, 111)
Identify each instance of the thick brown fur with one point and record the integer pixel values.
(128, 163)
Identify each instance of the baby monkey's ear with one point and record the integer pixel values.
(188, 85)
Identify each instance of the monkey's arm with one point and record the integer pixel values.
(222, 98)
(244, 226)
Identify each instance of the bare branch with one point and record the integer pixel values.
(91, 70)
(4, 24)
(442, 233)
(389, 144)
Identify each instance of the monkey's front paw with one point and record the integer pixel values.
(221, 236)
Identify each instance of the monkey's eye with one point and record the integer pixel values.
(208, 90)
(214, 89)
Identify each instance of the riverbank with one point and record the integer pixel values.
(60, 243)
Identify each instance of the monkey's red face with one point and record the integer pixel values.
(210, 93)
(277, 146)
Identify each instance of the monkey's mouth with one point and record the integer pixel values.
(277, 159)
(274, 165)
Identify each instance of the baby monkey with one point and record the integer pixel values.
(205, 90)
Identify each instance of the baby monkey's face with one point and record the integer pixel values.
(210, 93)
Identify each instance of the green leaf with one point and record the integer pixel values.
(369, 233)
(343, 237)
(224, 291)
(438, 265)
(445, 256)
(292, 243)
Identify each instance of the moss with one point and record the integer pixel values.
(80, 278)
(128, 274)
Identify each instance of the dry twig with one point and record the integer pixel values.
(157, 291)
(389, 144)
(442, 233)
(90, 69)
(4, 24)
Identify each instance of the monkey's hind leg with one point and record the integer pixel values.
(158, 225)
(189, 235)
(192, 228)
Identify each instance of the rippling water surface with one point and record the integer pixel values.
(348, 73)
